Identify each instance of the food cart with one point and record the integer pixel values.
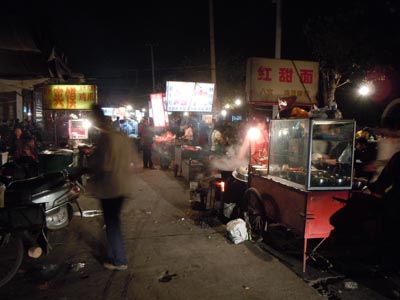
(186, 157)
(308, 172)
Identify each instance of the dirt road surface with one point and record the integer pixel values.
(173, 253)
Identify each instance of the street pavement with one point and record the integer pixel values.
(173, 252)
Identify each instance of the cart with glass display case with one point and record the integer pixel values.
(310, 167)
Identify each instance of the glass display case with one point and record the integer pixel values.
(313, 154)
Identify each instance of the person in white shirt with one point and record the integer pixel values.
(188, 133)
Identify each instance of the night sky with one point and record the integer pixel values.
(108, 41)
(101, 37)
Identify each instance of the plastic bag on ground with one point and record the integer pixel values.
(237, 231)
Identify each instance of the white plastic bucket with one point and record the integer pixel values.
(228, 209)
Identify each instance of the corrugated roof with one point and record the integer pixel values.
(22, 64)
(20, 58)
(15, 36)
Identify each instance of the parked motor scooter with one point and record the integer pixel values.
(33, 207)
(19, 170)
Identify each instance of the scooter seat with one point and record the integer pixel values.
(21, 191)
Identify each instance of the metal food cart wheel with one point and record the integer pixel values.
(261, 210)
(254, 213)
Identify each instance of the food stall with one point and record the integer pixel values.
(65, 107)
(309, 168)
(188, 97)
(164, 145)
(62, 103)
(187, 160)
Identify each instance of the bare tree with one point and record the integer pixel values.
(351, 39)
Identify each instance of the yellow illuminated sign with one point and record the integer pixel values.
(69, 96)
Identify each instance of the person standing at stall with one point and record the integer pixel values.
(188, 133)
(216, 140)
(16, 143)
(117, 123)
(147, 139)
(259, 146)
(364, 157)
(111, 182)
(28, 158)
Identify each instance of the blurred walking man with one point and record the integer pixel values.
(111, 181)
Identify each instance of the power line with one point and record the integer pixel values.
(94, 76)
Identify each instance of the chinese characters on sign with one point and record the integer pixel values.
(285, 75)
(69, 96)
(270, 79)
(189, 96)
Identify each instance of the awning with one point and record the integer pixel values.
(7, 85)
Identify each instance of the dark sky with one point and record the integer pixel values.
(105, 37)
(101, 36)
(108, 41)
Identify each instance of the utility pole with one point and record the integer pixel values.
(152, 65)
(216, 105)
(278, 29)
(278, 41)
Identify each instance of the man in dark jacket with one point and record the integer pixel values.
(364, 156)
(146, 137)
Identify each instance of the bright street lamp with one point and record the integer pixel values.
(254, 133)
(366, 89)
(238, 102)
(87, 124)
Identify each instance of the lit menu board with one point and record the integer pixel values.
(189, 96)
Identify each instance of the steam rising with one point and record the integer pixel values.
(232, 160)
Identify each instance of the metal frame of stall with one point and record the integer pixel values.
(296, 206)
